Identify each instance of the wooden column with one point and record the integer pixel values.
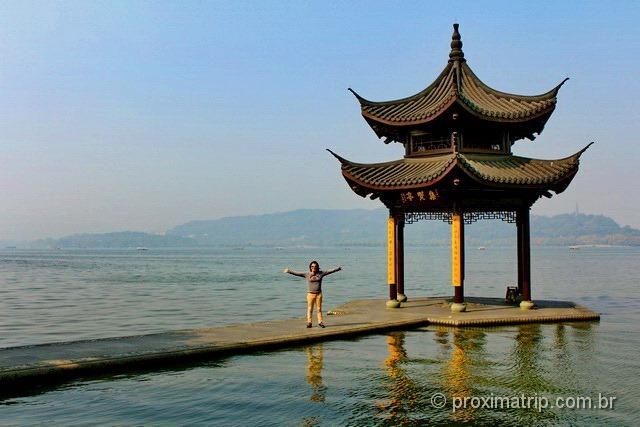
(524, 262)
(457, 261)
(392, 262)
(401, 296)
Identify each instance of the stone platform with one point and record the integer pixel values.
(26, 367)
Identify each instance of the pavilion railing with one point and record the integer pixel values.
(427, 143)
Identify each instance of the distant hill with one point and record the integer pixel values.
(355, 227)
(301, 227)
(368, 227)
(122, 239)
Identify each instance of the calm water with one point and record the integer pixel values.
(376, 380)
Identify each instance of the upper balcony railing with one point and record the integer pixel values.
(425, 144)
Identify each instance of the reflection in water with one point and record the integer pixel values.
(403, 392)
(314, 372)
(310, 421)
(442, 338)
(572, 347)
(560, 339)
(529, 360)
(536, 366)
(583, 333)
(562, 352)
(458, 379)
(315, 363)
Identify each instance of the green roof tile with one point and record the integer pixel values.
(488, 168)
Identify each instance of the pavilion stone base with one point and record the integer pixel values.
(393, 303)
(527, 305)
(458, 308)
(480, 311)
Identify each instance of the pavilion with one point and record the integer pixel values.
(458, 165)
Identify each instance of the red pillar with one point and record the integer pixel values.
(519, 249)
(524, 264)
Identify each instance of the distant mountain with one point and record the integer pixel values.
(368, 227)
(122, 239)
(301, 227)
(356, 227)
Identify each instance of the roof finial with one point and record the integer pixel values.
(456, 53)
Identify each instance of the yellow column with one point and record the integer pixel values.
(391, 251)
(457, 262)
(456, 250)
(391, 263)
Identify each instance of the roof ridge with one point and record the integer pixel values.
(344, 161)
(443, 74)
(528, 177)
(543, 96)
(500, 170)
(482, 156)
(406, 160)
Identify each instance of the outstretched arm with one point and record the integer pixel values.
(295, 273)
(326, 273)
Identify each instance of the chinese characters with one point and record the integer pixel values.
(408, 197)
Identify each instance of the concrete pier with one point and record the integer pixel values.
(29, 366)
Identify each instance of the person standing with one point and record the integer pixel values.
(314, 292)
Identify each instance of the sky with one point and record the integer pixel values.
(145, 115)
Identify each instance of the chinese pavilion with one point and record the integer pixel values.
(458, 165)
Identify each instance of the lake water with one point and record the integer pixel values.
(389, 379)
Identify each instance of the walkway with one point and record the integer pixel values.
(25, 367)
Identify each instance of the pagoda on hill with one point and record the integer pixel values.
(458, 165)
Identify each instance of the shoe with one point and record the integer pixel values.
(309, 324)
(321, 324)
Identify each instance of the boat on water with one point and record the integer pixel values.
(481, 248)
(141, 248)
(574, 248)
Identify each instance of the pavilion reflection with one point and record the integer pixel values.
(528, 355)
(404, 393)
(573, 345)
(528, 359)
(583, 334)
(458, 377)
(560, 337)
(535, 364)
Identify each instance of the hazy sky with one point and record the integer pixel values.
(144, 115)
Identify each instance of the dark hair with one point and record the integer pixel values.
(314, 262)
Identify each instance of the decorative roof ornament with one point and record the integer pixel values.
(456, 53)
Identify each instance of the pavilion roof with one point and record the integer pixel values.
(488, 169)
(458, 84)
